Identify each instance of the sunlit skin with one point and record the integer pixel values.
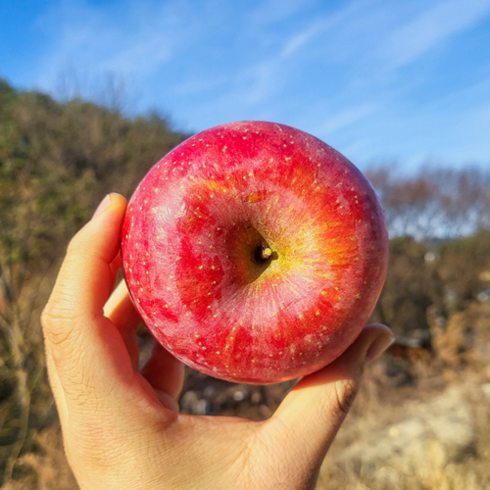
(254, 252)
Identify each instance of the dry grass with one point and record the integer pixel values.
(434, 435)
(46, 468)
(393, 446)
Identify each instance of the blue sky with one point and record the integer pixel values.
(379, 80)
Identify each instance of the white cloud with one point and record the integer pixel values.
(335, 71)
(432, 27)
(344, 118)
(299, 40)
(271, 11)
(135, 39)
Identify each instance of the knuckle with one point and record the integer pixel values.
(58, 323)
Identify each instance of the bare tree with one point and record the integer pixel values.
(113, 91)
(435, 202)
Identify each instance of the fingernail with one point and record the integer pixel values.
(105, 203)
(379, 345)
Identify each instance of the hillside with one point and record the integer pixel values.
(57, 161)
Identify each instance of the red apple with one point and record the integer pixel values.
(254, 252)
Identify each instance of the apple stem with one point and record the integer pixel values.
(265, 253)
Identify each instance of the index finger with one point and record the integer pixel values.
(74, 325)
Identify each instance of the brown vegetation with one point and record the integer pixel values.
(420, 420)
(56, 163)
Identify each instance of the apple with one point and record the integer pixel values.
(254, 252)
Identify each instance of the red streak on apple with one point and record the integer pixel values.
(254, 252)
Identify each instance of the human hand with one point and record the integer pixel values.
(122, 429)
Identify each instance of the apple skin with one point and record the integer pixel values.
(192, 249)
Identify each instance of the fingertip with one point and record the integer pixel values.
(363, 348)
(164, 372)
(166, 400)
(118, 200)
(373, 340)
(101, 236)
(378, 344)
(110, 201)
(104, 204)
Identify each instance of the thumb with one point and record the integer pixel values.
(311, 414)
